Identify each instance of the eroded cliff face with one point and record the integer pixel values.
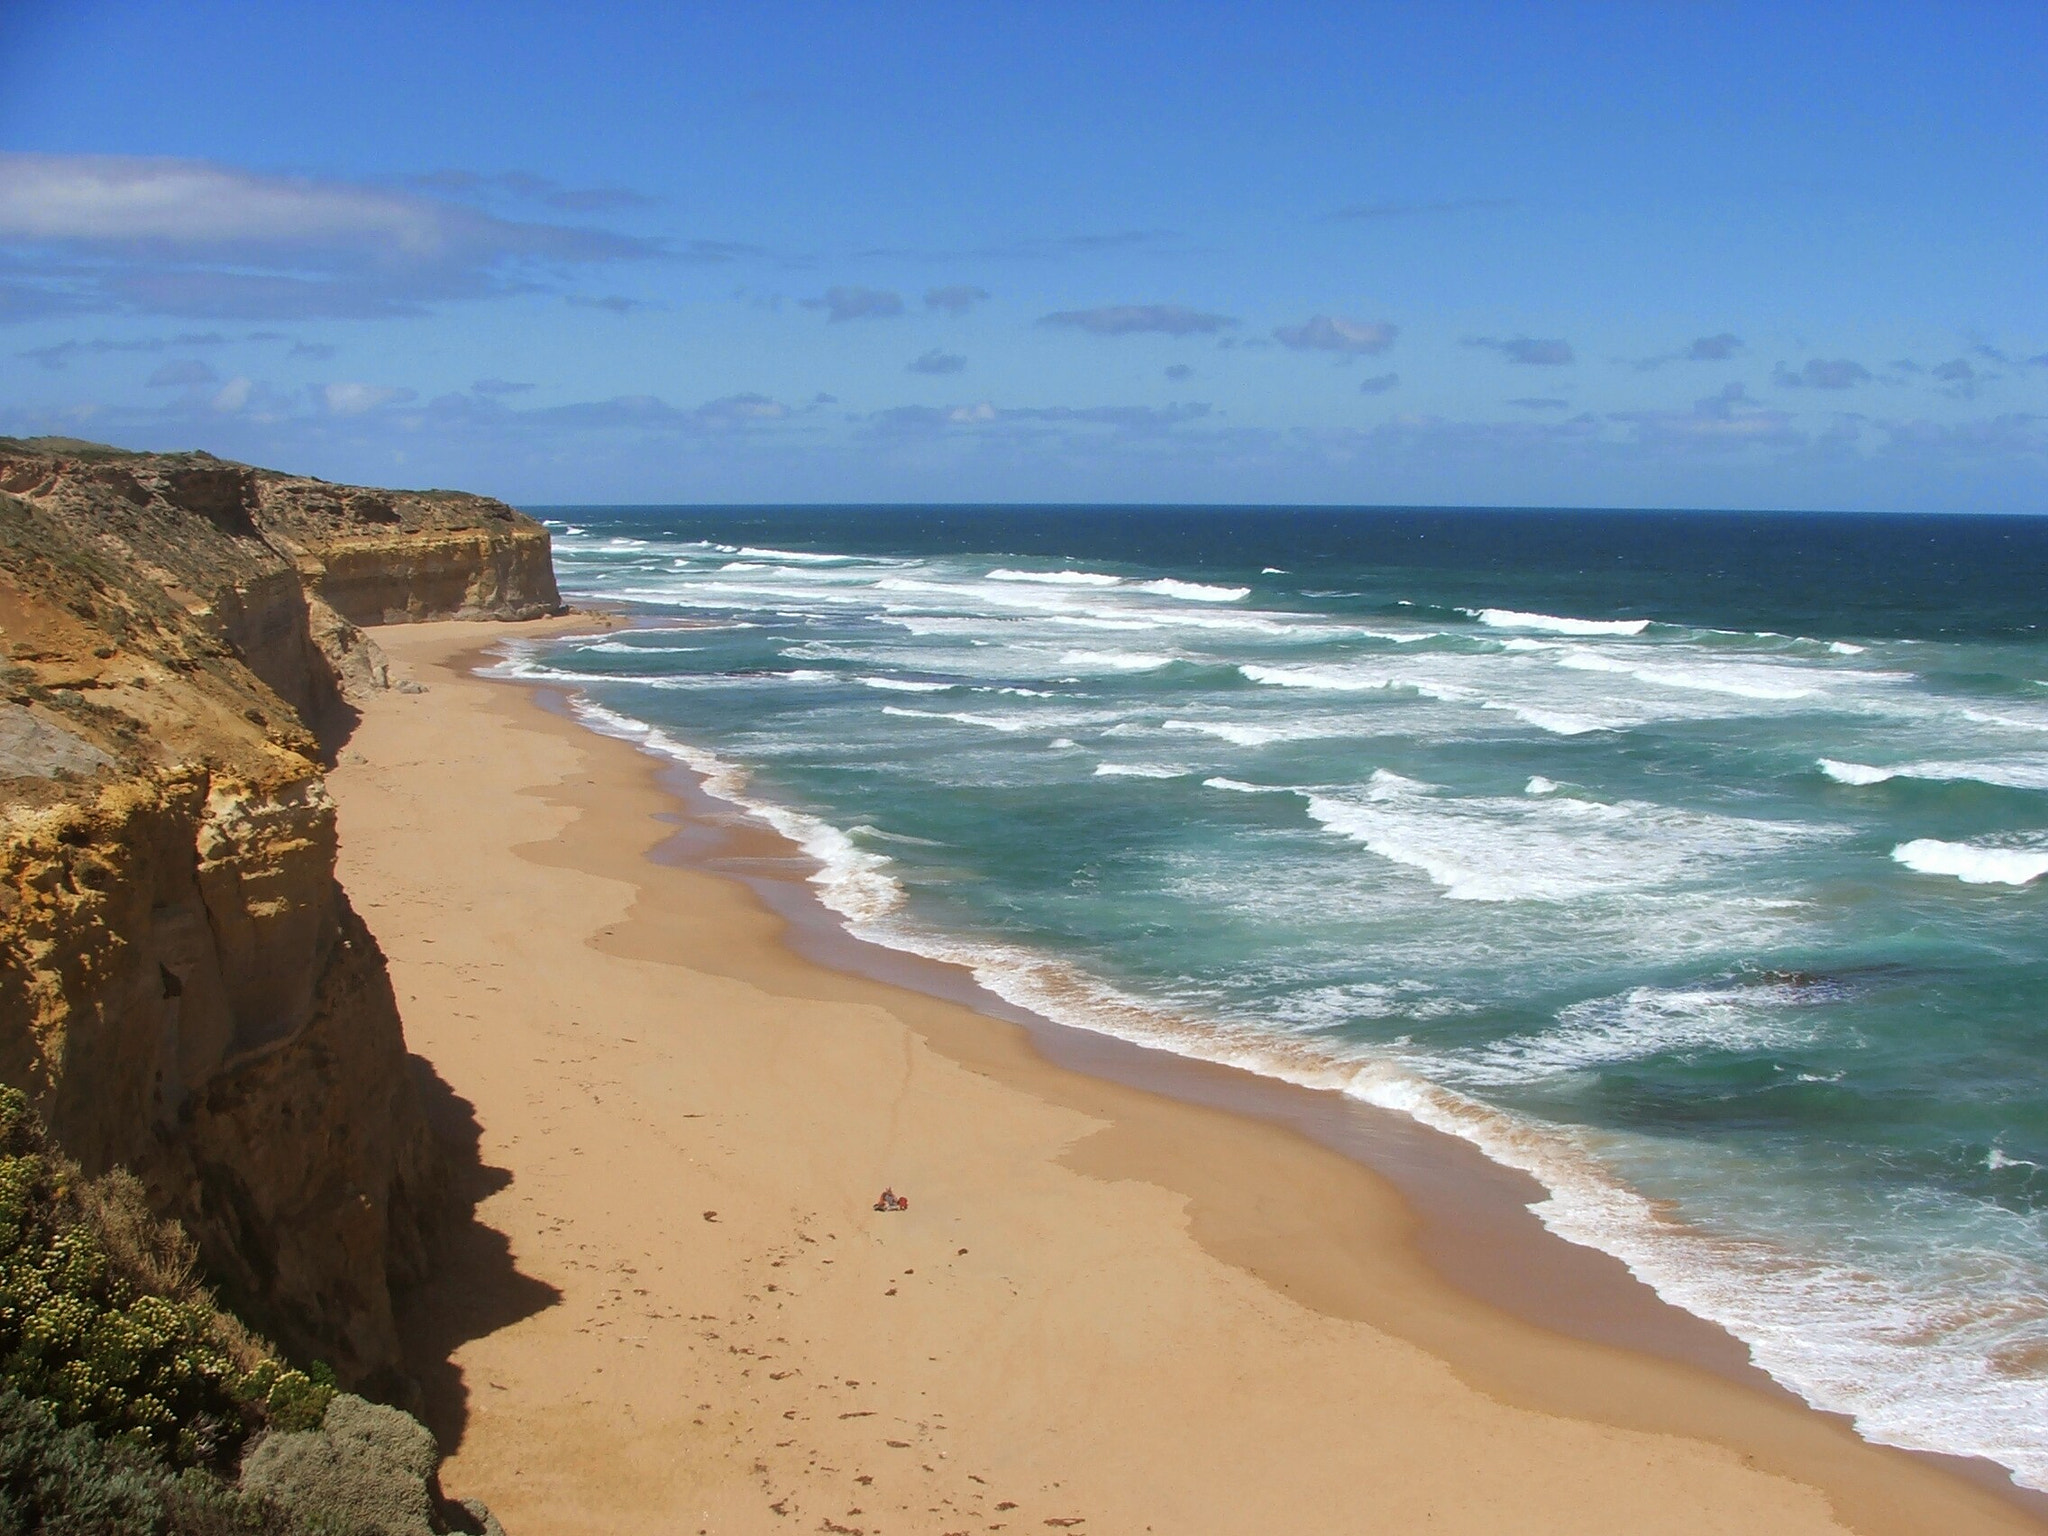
(184, 989)
(395, 558)
(287, 568)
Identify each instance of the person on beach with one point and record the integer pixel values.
(891, 1201)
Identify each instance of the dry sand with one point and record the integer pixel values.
(1106, 1310)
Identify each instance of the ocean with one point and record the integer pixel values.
(1691, 862)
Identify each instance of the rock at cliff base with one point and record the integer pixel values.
(359, 663)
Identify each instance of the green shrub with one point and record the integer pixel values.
(102, 1320)
(65, 1481)
(290, 1401)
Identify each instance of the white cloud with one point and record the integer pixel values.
(191, 204)
(1330, 333)
(740, 410)
(355, 399)
(105, 198)
(108, 232)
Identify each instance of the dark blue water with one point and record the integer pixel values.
(1880, 574)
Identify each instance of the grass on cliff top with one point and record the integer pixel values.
(69, 447)
(86, 450)
(95, 453)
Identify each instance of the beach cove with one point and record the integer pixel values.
(1105, 1309)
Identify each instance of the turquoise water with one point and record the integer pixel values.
(1697, 864)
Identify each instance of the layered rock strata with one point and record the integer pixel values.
(184, 988)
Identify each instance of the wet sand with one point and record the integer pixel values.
(1130, 1293)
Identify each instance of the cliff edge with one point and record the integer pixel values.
(184, 988)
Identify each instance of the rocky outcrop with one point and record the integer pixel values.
(396, 557)
(184, 989)
(437, 573)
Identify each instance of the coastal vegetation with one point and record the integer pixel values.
(129, 1393)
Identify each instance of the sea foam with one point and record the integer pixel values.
(1118, 661)
(1194, 591)
(1637, 1024)
(1549, 848)
(1138, 771)
(1058, 578)
(1324, 678)
(851, 880)
(795, 556)
(1236, 735)
(986, 722)
(1735, 680)
(904, 685)
(1973, 864)
(1508, 618)
(2026, 773)
(1854, 773)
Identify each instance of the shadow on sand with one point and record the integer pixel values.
(474, 1287)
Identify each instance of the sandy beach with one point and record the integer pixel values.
(1106, 1309)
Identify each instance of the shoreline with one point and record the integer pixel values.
(1472, 1216)
(1440, 1254)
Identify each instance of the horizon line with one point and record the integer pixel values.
(793, 505)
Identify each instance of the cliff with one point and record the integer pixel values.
(285, 568)
(184, 988)
(392, 557)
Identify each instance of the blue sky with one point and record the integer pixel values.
(1668, 255)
